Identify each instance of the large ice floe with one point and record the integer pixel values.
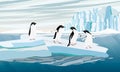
(43, 46)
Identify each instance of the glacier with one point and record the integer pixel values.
(96, 19)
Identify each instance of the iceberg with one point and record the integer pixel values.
(21, 43)
(23, 48)
(78, 49)
(41, 51)
(95, 20)
(43, 46)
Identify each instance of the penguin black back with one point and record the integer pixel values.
(33, 23)
(60, 26)
(70, 37)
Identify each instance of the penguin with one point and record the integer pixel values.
(73, 36)
(32, 31)
(58, 34)
(89, 39)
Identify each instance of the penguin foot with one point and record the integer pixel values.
(59, 42)
(32, 39)
(54, 41)
(73, 44)
(88, 47)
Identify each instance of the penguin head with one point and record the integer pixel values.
(72, 28)
(60, 26)
(86, 31)
(33, 23)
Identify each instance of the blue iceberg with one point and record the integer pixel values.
(95, 20)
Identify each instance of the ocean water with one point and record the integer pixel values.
(33, 64)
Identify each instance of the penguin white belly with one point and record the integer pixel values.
(33, 32)
(89, 40)
(58, 36)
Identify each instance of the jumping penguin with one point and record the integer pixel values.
(58, 34)
(73, 36)
(89, 39)
(32, 31)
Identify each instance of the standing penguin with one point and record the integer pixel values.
(73, 36)
(88, 40)
(32, 31)
(58, 34)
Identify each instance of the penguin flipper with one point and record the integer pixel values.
(70, 37)
(55, 35)
(69, 43)
(29, 31)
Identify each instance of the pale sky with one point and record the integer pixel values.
(18, 14)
